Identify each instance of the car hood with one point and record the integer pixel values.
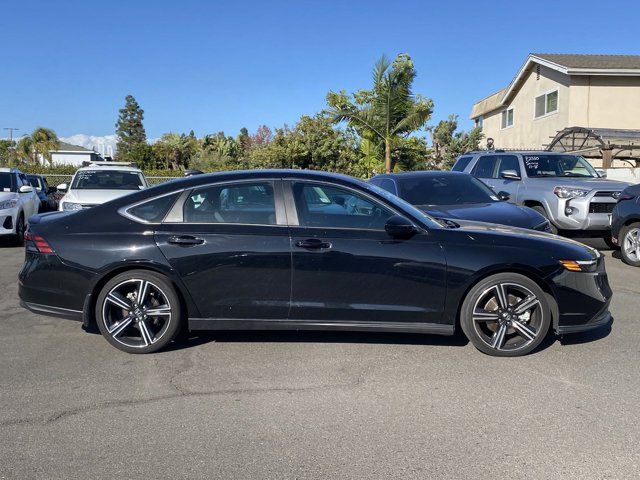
(94, 197)
(582, 182)
(522, 235)
(7, 196)
(502, 213)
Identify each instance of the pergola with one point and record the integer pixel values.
(610, 143)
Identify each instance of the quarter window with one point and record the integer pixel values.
(507, 118)
(154, 210)
(320, 205)
(546, 104)
(244, 203)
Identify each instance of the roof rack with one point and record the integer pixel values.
(111, 164)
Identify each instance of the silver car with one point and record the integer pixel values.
(564, 188)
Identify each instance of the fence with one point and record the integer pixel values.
(54, 179)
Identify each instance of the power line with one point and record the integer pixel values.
(11, 130)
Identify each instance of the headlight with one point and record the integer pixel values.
(580, 265)
(570, 192)
(8, 204)
(66, 206)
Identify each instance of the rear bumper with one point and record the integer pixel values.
(53, 311)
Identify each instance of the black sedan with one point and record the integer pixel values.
(625, 225)
(459, 196)
(303, 250)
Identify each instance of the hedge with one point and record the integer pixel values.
(70, 170)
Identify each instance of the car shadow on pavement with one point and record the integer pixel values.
(285, 336)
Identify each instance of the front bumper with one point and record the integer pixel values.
(8, 218)
(583, 299)
(592, 212)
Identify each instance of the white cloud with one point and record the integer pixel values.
(104, 145)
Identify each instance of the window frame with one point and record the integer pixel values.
(292, 212)
(505, 114)
(545, 95)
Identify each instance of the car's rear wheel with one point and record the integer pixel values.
(540, 209)
(629, 240)
(505, 315)
(138, 311)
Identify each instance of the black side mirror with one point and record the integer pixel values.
(510, 175)
(504, 196)
(399, 227)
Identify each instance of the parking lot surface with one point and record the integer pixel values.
(316, 405)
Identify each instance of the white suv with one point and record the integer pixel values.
(99, 182)
(18, 202)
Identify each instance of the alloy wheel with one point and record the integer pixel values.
(136, 313)
(507, 317)
(631, 244)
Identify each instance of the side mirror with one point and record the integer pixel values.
(26, 189)
(510, 175)
(602, 173)
(504, 196)
(399, 227)
(63, 187)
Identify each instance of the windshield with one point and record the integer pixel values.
(558, 166)
(445, 189)
(6, 182)
(107, 180)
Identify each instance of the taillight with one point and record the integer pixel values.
(36, 243)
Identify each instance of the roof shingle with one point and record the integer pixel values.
(617, 62)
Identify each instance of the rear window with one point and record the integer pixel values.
(154, 210)
(461, 164)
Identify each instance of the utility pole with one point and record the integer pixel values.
(11, 130)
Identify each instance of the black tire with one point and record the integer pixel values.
(540, 209)
(20, 229)
(136, 329)
(629, 257)
(609, 242)
(510, 329)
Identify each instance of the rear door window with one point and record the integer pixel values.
(485, 167)
(461, 164)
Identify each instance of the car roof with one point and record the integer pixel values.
(120, 168)
(419, 173)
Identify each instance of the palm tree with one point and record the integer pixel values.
(389, 111)
(44, 141)
(24, 149)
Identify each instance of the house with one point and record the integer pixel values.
(588, 104)
(68, 154)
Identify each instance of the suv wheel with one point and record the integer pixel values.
(629, 239)
(540, 209)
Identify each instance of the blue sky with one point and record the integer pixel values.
(211, 66)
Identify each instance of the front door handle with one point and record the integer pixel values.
(314, 243)
(185, 240)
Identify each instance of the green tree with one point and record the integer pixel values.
(38, 144)
(387, 112)
(448, 143)
(174, 151)
(129, 128)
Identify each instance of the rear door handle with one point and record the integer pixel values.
(185, 240)
(314, 243)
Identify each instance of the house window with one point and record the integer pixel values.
(546, 104)
(507, 118)
(479, 123)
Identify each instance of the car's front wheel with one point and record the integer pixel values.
(505, 315)
(20, 229)
(138, 311)
(629, 240)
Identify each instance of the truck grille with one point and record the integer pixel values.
(611, 194)
(601, 207)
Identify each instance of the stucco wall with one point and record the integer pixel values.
(527, 131)
(605, 102)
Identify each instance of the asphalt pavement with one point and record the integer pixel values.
(290, 405)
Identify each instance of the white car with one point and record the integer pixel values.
(18, 202)
(99, 182)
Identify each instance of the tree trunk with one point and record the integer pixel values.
(387, 156)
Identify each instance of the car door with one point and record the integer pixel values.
(509, 185)
(30, 201)
(347, 268)
(229, 243)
